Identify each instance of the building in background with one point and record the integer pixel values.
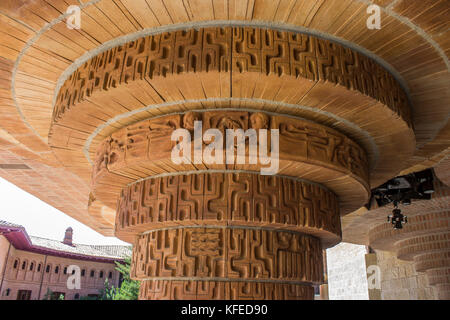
(30, 266)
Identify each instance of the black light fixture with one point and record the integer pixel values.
(402, 190)
(397, 218)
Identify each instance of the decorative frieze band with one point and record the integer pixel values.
(150, 140)
(145, 149)
(236, 49)
(221, 290)
(229, 199)
(227, 253)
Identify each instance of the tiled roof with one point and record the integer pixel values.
(43, 244)
(83, 249)
(9, 224)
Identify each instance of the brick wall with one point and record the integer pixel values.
(399, 281)
(27, 277)
(4, 245)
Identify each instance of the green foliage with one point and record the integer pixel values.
(128, 290)
(50, 295)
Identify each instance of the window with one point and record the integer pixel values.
(77, 296)
(83, 272)
(65, 270)
(120, 279)
(92, 273)
(101, 274)
(24, 265)
(58, 296)
(47, 269)
(16, 263)
(31, 266)
(24, 295)
(56, 269)
(110, 275)
(8, 291)
(39, 268)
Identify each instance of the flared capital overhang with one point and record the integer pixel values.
(64, 92)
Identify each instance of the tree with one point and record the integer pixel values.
(50, 295)
(129, 289)
(108, 292)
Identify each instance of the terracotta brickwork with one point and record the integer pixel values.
(249, 242)
(4, 247)
(229, 199)
(65, 91)
(231, 253)
(28, 271)
(425, 239)
(253, 50)
(220, 290)
(145, 148)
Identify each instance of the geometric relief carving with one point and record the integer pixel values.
(222, 290)
(236, 198)
(264, 51)
(230, 253)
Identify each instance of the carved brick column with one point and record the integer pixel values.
(228, 235)
(225, 231)
(222, 230)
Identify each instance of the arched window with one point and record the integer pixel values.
(56, 269)
(101, 274)
(39, 268)
(47, 269)
(110, 275)
(83, 272)
(16, 263)
(65, 270)
(31, 266)
(92, 273)
(24, 265)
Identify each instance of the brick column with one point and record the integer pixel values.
(224, 231)
(228, 235)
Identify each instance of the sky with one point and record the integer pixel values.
(42, 220)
